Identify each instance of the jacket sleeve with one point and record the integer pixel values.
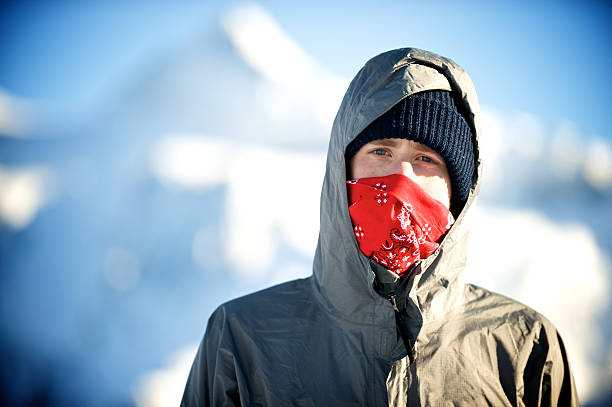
(212, 380)
(547, 376)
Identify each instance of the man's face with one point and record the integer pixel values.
(400, 156)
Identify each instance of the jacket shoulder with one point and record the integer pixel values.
(263, 313)
(536, 352)
(507, 318)
(479, 299)
(269, 302)
(241, 337)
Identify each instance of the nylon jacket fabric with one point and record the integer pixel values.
(332, 340)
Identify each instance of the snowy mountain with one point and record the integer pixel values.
(162, 207)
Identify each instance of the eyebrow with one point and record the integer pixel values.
(388, 142)
(424, 148)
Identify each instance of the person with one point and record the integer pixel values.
(386, 318)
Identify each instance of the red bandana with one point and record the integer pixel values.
(395, 221)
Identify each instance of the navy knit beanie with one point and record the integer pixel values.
(432, 118)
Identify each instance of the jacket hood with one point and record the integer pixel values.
(343, 276)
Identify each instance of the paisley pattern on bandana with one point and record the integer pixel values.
(395, 221)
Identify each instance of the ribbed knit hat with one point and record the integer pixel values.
(432, 118)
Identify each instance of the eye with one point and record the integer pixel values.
(425, 159)
(380, 151)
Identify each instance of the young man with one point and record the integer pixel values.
(385, 318)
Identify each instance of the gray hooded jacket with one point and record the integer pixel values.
(351, 334)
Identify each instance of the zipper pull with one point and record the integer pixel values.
(392, 299)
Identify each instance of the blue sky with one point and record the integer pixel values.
(547, 58)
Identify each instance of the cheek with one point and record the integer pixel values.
(364, 166)
(437, 187)
(361, 167)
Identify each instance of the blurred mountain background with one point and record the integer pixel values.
(157, 159)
